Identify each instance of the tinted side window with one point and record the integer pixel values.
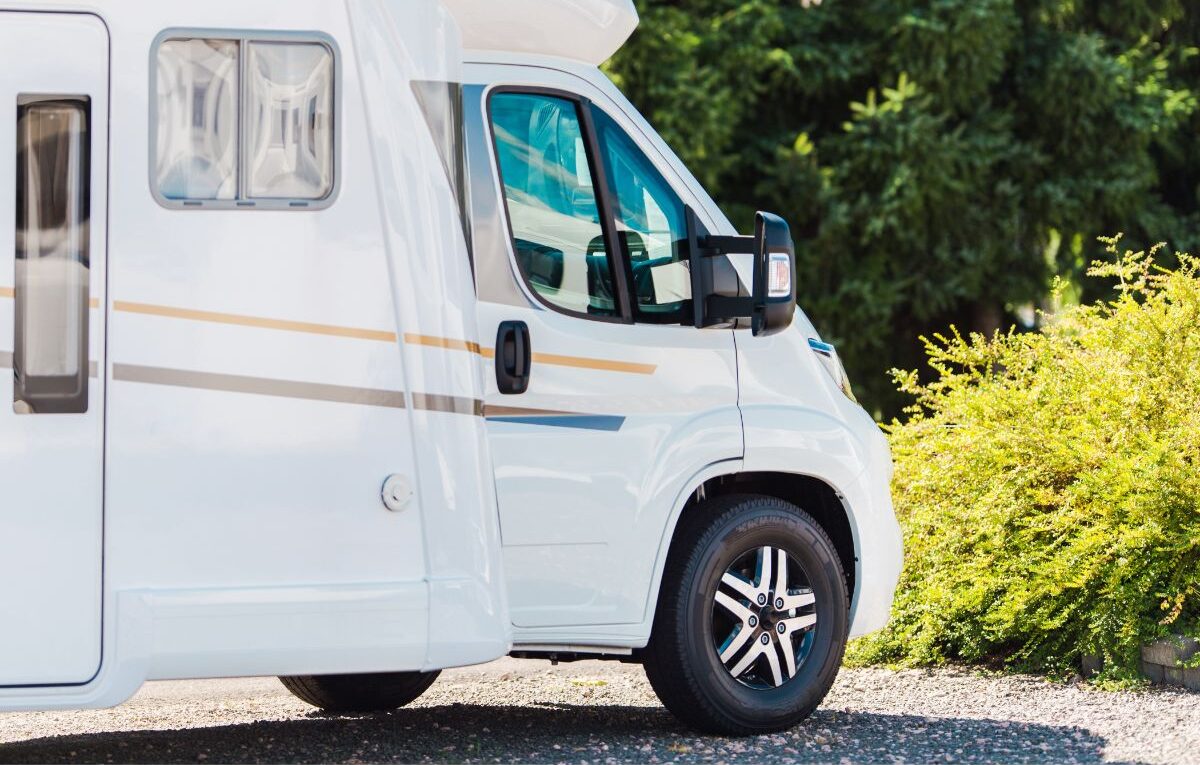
(651, 226)
(552, 208)
(50, 360)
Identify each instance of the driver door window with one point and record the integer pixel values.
(546, 172)
(650, 227)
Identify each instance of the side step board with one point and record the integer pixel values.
(568, 653)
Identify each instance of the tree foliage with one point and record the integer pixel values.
(940, 160)
(1048, 484)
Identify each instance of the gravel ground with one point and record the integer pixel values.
(527, 711)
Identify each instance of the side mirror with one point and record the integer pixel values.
(774, 275)
(772, 302)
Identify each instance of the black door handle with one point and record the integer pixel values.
(514, 359)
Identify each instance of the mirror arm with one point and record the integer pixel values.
(713, 246)
(703, 247)
(721, 308)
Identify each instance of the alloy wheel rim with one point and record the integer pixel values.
(763, 618)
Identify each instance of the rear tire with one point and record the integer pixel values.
(378, 692)
(715, 603)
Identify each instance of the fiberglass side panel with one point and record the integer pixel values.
(53, 150)
(258, 397)
(410, 59)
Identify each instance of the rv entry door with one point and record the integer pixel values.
(53, 156)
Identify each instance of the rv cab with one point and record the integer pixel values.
(349, 342)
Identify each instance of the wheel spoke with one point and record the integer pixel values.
(781, 574)
(796, 601)
(735, 642)
(740, 612)
(789, 654)
(743, 588)
(798, 623)
(773, 662)
(747, 659)
(762, 582)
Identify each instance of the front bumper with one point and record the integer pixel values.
(878, 542)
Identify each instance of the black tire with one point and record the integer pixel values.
(378, 692)
(682, 660)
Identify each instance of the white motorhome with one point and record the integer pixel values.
(350, 341)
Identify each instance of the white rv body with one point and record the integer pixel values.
(258, 370)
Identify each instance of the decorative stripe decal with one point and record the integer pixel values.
(265, 386)
(443, 342)
(553, 418)
(255, 321)
(436, 402)
(6, 362)
(9, 292)
(580, 362)
(342, 394)
(432, 341)
(602, 364)
(179, 378)
(611, 423)
(493, 410)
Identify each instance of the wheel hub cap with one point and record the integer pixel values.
(764, 618)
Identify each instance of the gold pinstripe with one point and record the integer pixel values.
(286, 325)
(9, 292)
(579, 362)
(431, 341)
(443, 342)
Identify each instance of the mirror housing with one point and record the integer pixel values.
(774, 275)
(772, 302)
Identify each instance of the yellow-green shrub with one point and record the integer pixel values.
(1049, 485)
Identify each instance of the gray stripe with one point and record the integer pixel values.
(497, 410)
(436, 402)
(6, 362)
(258, 385)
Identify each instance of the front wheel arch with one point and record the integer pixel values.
(816, 497)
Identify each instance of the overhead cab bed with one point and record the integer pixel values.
(590, 31)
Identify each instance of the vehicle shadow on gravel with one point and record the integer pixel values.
(557, 733)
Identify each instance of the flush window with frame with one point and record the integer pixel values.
(50, 360)
(243, 121)
(574, 182)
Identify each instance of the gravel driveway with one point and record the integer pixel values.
(527, 711)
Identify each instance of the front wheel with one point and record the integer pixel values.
(752, 617)
(376, 692)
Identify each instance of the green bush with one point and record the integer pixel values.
(1049, 485)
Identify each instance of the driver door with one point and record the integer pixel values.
(623, 402)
